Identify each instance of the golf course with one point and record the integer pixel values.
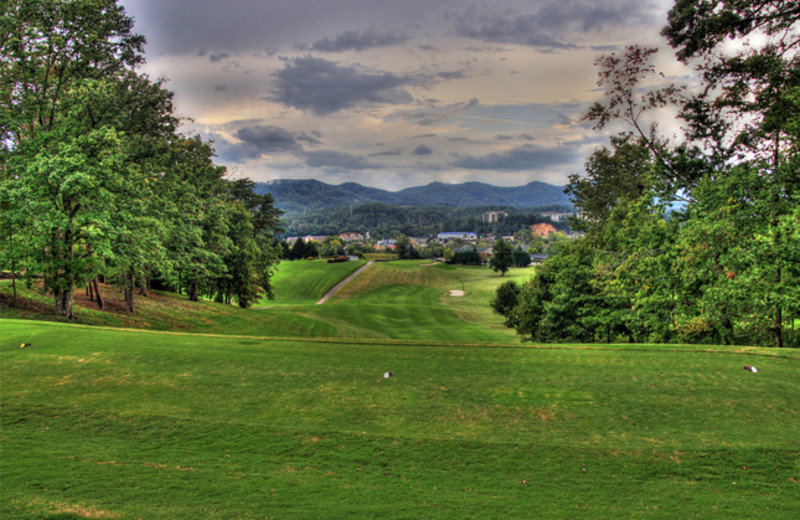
(204, 410)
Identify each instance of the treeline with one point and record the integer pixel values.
(95, 180)
(387, 221)
(724, 265)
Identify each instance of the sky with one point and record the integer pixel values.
(393, 93)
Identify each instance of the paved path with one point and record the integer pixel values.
(343, 283)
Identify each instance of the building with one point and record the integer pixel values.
(557, 216)
(491, 217)
(452, 235)
(351, 237)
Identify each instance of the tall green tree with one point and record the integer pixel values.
(745, 118)
(66, 156)
(723, 267)
(502, 256)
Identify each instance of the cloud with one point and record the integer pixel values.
(423, 150)
(521, 158)
(388, 153)
(269, 139)
(457, 74)
(520, 30)
(334, 160)
(554, 25)
(432, 116)
(254, 141)
(323, 87)
(310, 139)
(354, 41)
(216, 58)
(563, 120)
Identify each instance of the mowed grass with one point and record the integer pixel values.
(134, 424)
(412, 300)
(306, 281)
(398, 300)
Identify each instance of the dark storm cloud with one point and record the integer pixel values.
(355, 41)
(526, 157)
(333, 160)
(323, 87)
(255, 141)
(232, 152)
(553, 25)
(423, 150)
(269, 139)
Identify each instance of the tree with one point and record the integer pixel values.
(506, 300)
(58, 59)
(722, 268)
(502, 256)
(613, 176)
(746, 116)
(331, 246)
(403, 248)
(521, 258)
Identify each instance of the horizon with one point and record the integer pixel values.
(411, 187)
(400, 94)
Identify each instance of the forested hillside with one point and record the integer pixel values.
(303, 196)
(387, 221)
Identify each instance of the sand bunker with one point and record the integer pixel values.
(456, 292)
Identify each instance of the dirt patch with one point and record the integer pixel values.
(456, 292)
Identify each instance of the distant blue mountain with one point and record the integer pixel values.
(307, 195)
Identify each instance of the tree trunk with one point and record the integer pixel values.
(89, 291)
(97, 293)
(195, 289)
(63, 300)
(129, 283)
(145, 287)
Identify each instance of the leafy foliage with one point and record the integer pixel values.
(94, 179)
(721, 268)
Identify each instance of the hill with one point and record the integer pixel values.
(305, 195)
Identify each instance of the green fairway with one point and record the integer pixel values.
(281, 411)
(133, 424)
(306, 281)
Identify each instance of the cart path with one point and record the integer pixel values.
(343, 283)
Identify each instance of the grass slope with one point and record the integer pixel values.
(135, 424)
(306, 281)
(282, 412)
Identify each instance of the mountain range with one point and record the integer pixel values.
(299, 196)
